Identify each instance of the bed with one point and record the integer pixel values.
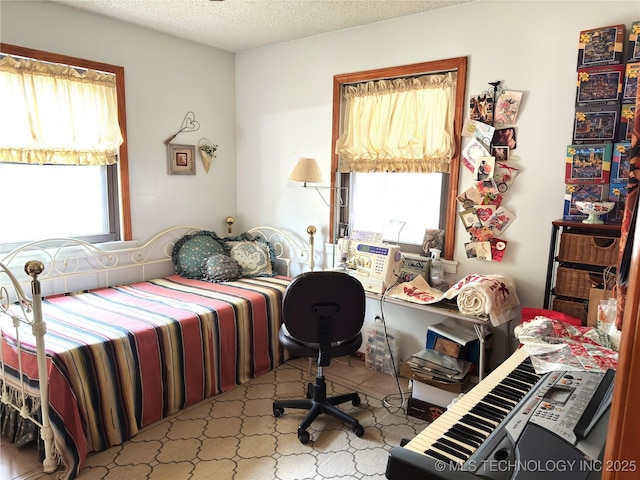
(107, 342)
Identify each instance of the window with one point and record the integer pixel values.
(394, 204)
(49, 198)
(382, 201)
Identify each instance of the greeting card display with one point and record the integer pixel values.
(633, 45)
(627, 116)
(481, 107)
(596, 124)
(478, 250)
(588, 163)
(470, 197)
(632, 72)
(600, 85)
(478, 130)
(485, 212)
(504, 176)
(498, 247)
(588, 192)
(620, 162)
(500, 221)
(480, 234)
(507, 107)
(601, 46)
(470, 218)
(472, 153)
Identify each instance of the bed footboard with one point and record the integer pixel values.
(16, 392)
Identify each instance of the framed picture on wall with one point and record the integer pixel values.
(181, 159)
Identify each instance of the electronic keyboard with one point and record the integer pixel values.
(512, 425)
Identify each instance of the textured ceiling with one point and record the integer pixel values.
(239, 25)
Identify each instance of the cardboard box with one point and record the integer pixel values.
(424, 410)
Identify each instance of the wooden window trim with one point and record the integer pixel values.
(123, 158)
(459, 64)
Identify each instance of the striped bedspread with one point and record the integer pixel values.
(124, 357)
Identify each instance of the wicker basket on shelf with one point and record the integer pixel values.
(588, 249)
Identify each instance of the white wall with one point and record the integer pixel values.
(284, 96)
(164, 79)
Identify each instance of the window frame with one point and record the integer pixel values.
(121, 193)
(458, 64)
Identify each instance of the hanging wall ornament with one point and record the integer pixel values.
(207, 152)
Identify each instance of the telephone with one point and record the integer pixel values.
(376, 265)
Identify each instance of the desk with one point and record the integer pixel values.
(448, 308)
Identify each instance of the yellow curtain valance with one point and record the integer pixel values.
(57, 114)
(402, 125)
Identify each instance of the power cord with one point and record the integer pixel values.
(387, 401)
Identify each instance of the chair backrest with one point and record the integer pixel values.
(313, 297)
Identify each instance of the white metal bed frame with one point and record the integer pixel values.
(63, 265)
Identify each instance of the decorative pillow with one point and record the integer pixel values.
(220, 267)
(253, 255)
(190, 252)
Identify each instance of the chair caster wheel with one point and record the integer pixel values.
(355, 402)
(304, 437)
(309, 392)
(358, 430)
(278, 412)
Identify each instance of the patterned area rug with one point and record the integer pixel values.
(236, 436)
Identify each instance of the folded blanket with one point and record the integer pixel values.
(493, 295)
(477, 295)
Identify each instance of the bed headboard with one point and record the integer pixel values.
(72, 265)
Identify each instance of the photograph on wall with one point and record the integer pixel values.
(627, 119)
(633, 45)
(481, 107)
(601, 46)
(600, 85)
(588, 163)
(595, 124)
(500, 153)
(507, 106)
(632, 72)
(505, 137)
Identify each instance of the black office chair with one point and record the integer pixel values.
(323, 315)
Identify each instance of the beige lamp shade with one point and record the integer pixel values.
(306, 170)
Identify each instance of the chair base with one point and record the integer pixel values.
(317, 403)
